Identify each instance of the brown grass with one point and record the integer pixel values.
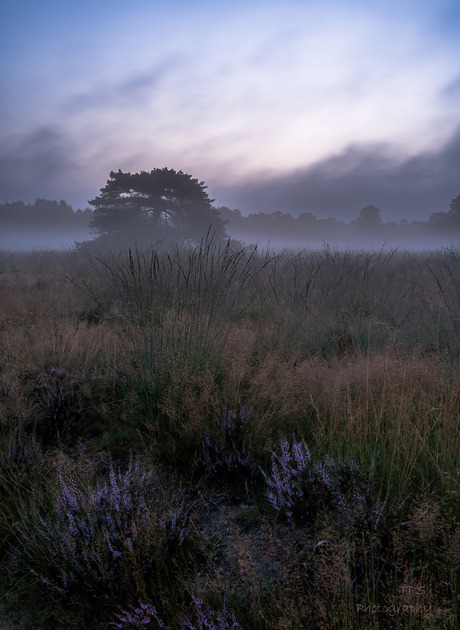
(315, 353)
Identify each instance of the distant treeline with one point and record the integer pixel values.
(44, 214)
(368, 224)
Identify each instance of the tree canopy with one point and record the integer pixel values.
(369, 219)
(455, 205)
(151, 206)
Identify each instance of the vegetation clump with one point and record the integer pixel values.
(238, 440)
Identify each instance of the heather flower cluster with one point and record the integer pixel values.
(229, 448)
(209, 619)
(92, 536)
(175, 525)
(292, 476)
(353, 494)
(206, 618)
(144, 615)
(297, 486)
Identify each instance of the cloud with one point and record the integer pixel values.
(226, 92)
(38, 164)
(130, 90)
(45, 163)
(452, 90)
(363, 174)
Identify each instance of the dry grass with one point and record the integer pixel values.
(355, 353)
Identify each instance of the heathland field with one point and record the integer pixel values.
(219, 437)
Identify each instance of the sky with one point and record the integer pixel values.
(318, 106)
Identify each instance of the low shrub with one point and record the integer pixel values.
(144, 615)
(103, 541)
(209, 619)
(64, 402)
(228, 448)
(298, 487)
(206, 618)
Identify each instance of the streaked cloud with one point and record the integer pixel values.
(36, 164)
(360, 175)
(230, 93)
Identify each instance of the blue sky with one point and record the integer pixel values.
(318, 106)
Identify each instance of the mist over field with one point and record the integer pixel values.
(40, 240)
(52, 225)
(63, 240)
